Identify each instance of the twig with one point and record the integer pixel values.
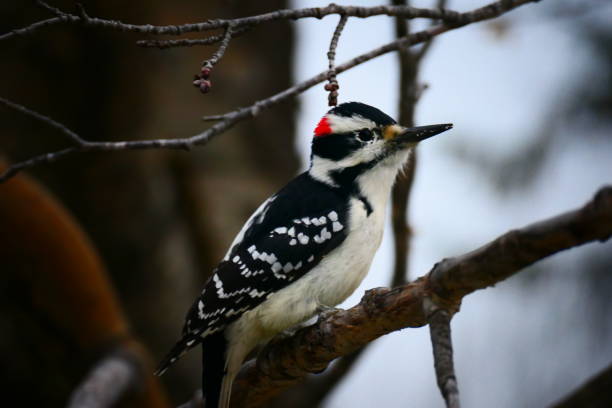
(231, 118)
(287, 14)
(332, 84)
(227, 36)
(108, 381)
(53, 10)
(44, 119)
(440, 332)
(189, 42)
(427, 46)
(382, 311)
(202, 80)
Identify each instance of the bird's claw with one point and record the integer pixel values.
(325, 312)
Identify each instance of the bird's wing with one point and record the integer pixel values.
(282, 241)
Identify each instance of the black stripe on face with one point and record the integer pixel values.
(336, 146)
(369, 112)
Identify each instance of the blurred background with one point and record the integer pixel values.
(530, 95)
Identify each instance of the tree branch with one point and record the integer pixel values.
(228, 120)
(189, 42)
(287, 14)
(427, 46)
(202, 80)
(442, 345)
(44, 119)
(108, 381)
(381, 311)
(332, 84)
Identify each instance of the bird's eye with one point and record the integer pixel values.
(365, 135)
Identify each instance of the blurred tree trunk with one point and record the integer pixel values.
(160, 220)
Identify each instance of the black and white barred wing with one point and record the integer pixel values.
(274, 252)
(269, 258)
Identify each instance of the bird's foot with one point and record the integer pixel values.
(325, 312)
(290, 332)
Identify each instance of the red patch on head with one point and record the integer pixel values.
(322, 128)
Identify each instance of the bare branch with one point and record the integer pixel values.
(402, 233)
(53, 10)
(427, 46)
(440, 332)
(44, 119)
(202, 80)
(231, 118)
(190, 42)
(332, 84)
(287, 14)
(108, 381)
(381, 311)
(227, 36)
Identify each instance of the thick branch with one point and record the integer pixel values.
(228, 120)
(382, 311)
(402, 233)
(202, 80)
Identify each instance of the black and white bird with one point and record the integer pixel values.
(305, 249)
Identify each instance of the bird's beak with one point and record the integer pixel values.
(416, 134)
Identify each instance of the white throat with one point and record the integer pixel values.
(375, 184)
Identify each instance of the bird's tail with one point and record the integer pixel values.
(213, 368)
(178, 351)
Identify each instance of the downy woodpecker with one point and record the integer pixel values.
(304, 249)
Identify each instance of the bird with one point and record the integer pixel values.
(305, 249)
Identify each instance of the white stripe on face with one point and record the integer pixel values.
(343, 124)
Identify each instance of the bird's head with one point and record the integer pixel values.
(353, 138)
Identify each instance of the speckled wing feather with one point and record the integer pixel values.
(282, 241)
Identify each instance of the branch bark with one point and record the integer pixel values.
(62, 17)
(440, 331)
(108, 381)
(381, 311)
(400, 196)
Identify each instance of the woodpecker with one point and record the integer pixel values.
(305, 249)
